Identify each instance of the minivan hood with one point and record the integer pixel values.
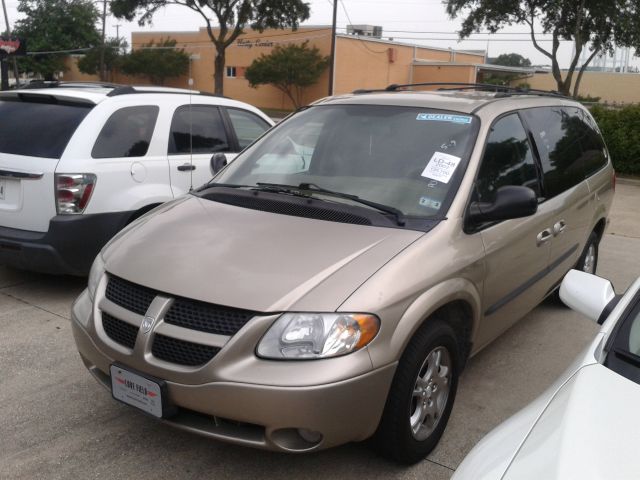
(234, 256)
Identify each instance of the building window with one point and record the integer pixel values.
(231, 72)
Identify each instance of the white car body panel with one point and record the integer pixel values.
(585, 426)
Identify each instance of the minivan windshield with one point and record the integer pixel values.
(409, 159)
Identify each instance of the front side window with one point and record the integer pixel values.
(127, 133)
(507, 160)
(248, 126)
(624, 351)
(411, 159)
(197, 129)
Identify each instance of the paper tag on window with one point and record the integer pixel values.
(441, 167)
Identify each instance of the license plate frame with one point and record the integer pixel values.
(141, 391)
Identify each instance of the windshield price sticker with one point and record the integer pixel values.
(442, 117)
(441, 167)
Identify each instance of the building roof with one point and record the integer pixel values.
(484, 66)
(479, 53)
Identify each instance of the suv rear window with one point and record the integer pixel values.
(38, 128)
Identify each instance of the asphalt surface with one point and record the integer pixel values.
(56, 422)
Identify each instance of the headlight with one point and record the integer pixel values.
(97, 269)
(317, 335)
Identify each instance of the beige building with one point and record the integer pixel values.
(611, 87)
(362, 62)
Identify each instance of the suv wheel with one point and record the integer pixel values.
(589, 259)
(421, 395)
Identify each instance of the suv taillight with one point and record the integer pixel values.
(73, 191)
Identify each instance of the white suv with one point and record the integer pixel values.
(80, 161)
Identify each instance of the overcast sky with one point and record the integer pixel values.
(410, 21)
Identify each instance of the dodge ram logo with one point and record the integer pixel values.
(147, 324)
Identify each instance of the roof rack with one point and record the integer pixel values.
(500, 90)
(62, 84)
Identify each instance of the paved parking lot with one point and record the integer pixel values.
(57, 422)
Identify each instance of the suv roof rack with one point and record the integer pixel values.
(62, 84)
(500, 90)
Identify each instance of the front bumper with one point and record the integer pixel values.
(68, 247)
(256, 414)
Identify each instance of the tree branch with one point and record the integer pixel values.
(576, 87)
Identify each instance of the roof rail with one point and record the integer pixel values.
(62, 84)
(503, 90)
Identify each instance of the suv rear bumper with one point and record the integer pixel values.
(68, 247)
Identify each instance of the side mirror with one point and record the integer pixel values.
(218, 162)
(586, 293)
(511, 202)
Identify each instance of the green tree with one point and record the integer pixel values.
(113, 51)
(289, 68)
(53, 25)
(156, 62)
(231, 17)
(511, 60)
(592, 24)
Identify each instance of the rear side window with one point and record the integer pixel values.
(247, 126)
(507, 160)
(197, 129)
(38, 128)
(127, 133)
(570, 148)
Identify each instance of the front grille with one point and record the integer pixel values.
(120, 332)
(181, 352)
(207, 317)
(135, 298)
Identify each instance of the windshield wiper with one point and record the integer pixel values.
(312, 187)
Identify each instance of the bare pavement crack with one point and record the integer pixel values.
(31, 304)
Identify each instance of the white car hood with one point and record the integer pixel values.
(590, 430)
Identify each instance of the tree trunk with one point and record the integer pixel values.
(218, 74)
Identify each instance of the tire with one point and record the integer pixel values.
(404, 435)
(588, 261)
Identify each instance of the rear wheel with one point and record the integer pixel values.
(421, 395)
(588, 261)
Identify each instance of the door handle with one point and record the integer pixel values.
(559, 227)
(186, 167)
(544, 236)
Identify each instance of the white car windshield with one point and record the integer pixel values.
(410, 159)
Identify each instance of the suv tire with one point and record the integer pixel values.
(421, 395)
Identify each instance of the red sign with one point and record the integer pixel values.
(12, 46)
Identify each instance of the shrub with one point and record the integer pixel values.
(621, 131)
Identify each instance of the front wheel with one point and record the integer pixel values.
(421, 395)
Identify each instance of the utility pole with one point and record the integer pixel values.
(118, 31)
(15, 63)
(332, 64)
(104, 22)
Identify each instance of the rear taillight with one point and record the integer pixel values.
(613, 181)
(73, 192)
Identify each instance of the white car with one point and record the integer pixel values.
(80, 161)
(587, 425)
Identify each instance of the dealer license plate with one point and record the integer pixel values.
(137, 391)
(3, 188)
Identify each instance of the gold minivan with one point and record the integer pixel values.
(329, 284)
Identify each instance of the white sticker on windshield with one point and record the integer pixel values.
(441, 167)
